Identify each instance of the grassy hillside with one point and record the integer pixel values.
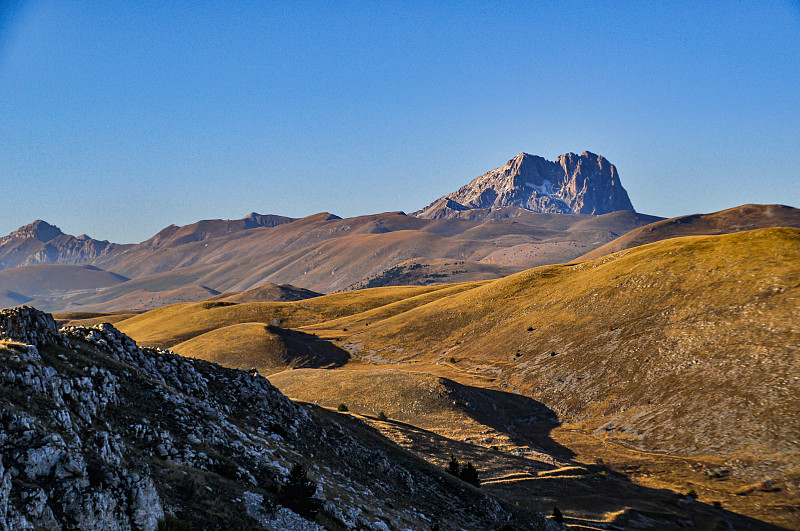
(644, 346)
(175, 324)
(9, 299)
(620, 342)
(674, 358)
(266, 348)
(737, 219)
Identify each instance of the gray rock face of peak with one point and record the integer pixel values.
(40, 230)
(573, 184)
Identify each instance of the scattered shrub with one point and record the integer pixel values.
(466, 473)
(531, 329)
(208, 305)
(470, 474)
(717, 504)
(296, 493)
(382, 417)
(453, 467)
(170, 523)
(342, 408)
(227, 469)
(494, 447)
(557, 516)
(452, 359)
(274, 427)
(692, 494)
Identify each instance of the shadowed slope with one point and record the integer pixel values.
(43, 280)
(10, 298)
(142, 299)
(269, 293)
(431, 402)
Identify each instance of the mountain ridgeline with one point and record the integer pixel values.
(527, 213)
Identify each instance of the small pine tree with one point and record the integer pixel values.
(296, 493)
(453, 466)
(342, 408)
(557, 516)
(470, 474)
(382, 417)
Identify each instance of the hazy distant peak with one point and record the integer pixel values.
(39, 229)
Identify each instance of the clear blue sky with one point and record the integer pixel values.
(117, 119)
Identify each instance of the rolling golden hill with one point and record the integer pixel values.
(737, 219)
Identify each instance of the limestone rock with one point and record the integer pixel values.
(573, 184)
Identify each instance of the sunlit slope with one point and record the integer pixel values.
(170, 325)
(441, 405)
(266, 348)
(737, 219)
(689, 344)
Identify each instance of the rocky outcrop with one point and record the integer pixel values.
(97, 433)
(28, 325)
(573, 184)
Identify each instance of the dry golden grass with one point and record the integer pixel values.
(175, 324)
(267, 349)
(737, 219)
(91, 318)
(634, 335)
(680, 350)
(241, 346)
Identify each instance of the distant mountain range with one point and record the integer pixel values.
(527, 213)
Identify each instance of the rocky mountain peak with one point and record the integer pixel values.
(39, 229)
(573, 184)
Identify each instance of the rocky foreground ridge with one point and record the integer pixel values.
(97, 433)
(573, 184)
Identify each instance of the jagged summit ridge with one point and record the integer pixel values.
(39, 229)
(573, 184)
